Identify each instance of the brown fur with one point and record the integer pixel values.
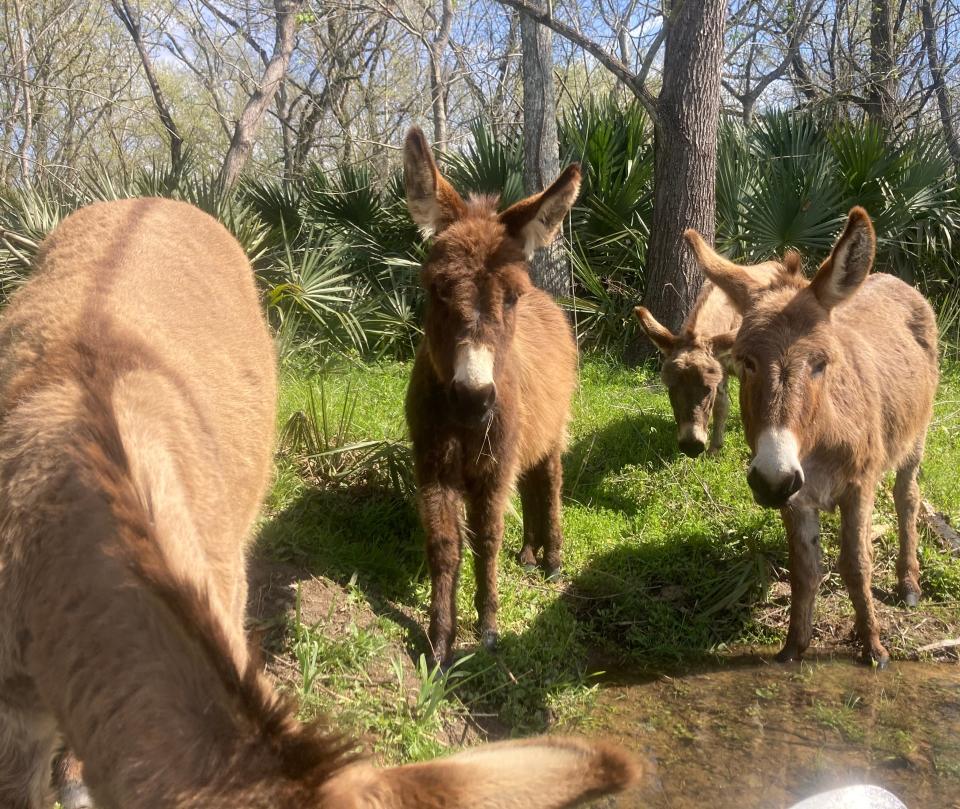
(848, 364)
(138, 383)
(696, 361)
(479, 294)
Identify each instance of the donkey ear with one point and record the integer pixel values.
(536, 774)
(721, 344)
(848, 263)
(659, 335)
(536, 220)
(432, 201)
(738, 282)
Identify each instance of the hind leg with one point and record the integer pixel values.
(906, 497)
(28, 740)
(721, 409)
(68, 782)
(530, 505)
(540, 492)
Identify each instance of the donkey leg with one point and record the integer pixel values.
(906, 497)
(803, 541)
(68, 782)
(856, 568)
(485, 516)
(530, 504)
(28, 741)
(552, 526)
(440, 510)
(721, 409)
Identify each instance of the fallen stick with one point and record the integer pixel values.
(940, 644)
(938, 525)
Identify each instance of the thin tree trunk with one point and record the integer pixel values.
(123, 11)
(939, 83)
(541, 160)
(438, 84)
(685, 163)
(245, 132)
(882, 91)
(27, 137)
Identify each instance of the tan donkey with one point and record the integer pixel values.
(837, 386)
(137, 384)
(696, 362)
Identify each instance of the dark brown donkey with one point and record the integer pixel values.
(696, 362)
(489, 396)
(837, 386)
(136, 441)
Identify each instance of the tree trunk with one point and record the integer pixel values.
(438, 84)
(882, 91)
(27, 132)
(541, 161)
(123, 11)
(685, 162)
(241, 145)
(939, 83)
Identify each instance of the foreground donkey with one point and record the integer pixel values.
(696, 362)
(137, 389)
(489, 397)
(837, 387)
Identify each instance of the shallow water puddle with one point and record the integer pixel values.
(750, 734)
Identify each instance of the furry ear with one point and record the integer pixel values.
(535, 220)
(792, 263)
(738, 282)
(721, 344)
(849, 263)
(659, 335)
(432, 201)
(543, 773)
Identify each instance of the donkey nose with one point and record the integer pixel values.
(691, 446)
(473, 402)
(774, 494)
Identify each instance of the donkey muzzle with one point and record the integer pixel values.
(775, 494)
(471, 404)
(775, 473)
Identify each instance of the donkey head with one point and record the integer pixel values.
(785, 349)
(692, 373)
(476, 273)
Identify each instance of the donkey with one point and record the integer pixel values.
(489, 395)
(696, 363)
(136, 433)
(837, 386)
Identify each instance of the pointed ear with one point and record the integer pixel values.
(849, 262)
(535, 220)
(721, 344)
(432, 201)
(738, 282)
(659, 335)
(538, 773)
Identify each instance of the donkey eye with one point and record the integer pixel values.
(817, 367)
(509, 300)
(749, 365)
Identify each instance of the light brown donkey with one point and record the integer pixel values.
(837, 386)
(489, 396)
(137, 387)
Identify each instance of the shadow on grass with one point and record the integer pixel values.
(594, 461)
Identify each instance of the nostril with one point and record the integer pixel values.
(489, 396)
(796, 483)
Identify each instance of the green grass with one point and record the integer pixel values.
(666, 559)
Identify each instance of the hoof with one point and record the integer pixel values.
(529, 568)
(911, 599)
(75, 796)
(490, 640)
(553, 574)
(878, 658)
(788, 654)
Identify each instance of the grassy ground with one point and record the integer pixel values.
(667, 561)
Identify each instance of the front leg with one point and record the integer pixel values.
(803, 540)
(485, 509)
(856, 569)
(440, 512)
(721, 409)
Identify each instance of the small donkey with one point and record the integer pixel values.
(489, 396)
(137, 387)
(837, 386)
(696, 362)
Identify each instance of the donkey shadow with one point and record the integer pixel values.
(595, 459)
